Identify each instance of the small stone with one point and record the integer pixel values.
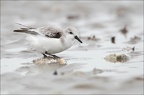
(129, 49)
(62, 73)
(55, 73)
(49, 60)
(124, 30)
(134, 40)
(117, 58)
(133, 48)
(93, 38)
(72, 16)
(113, 39)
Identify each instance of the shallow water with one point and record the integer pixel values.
(86, 72)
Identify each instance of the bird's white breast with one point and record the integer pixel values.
(51, 45)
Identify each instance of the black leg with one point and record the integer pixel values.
(55, 56)
(51, 55)
(44, 56)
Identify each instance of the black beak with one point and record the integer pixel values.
(76, 37)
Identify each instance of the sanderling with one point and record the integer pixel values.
(50, 40)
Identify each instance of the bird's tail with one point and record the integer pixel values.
(27, 30)
(22, 30)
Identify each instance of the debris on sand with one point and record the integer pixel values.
(72, 16)
(113, 40)
(117, 58)
(124, 31)
(134, 40)
(49, 60)
(55, 73)
(97, 71)
(93, 37)
(90, 38)
(129, 49)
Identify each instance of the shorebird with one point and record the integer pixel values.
(49, 40)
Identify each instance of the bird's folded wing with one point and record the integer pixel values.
(50, 32)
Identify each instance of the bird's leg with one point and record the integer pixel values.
(55, 56)
(44, 56)
(51, 55)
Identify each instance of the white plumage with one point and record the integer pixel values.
(50, 40)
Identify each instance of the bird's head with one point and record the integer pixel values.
(72, 33)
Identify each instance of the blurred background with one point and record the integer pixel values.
(97, 22)
(97, 15)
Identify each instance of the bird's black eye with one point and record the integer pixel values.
(70, 32)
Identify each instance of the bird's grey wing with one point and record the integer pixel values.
(47, 31)
(50, 32)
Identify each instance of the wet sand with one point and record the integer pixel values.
(100, 25)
